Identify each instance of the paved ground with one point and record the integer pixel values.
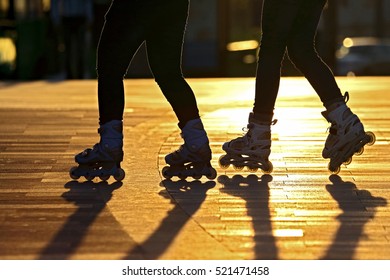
(297, 212)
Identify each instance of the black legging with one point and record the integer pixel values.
(291, 25)
(161, 25)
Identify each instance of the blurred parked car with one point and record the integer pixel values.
(363, 56)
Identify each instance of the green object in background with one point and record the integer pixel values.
(30, 45)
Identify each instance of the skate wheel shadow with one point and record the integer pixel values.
(358, 209)
(186, 198)
(255, 191)
(79, 190)
(90, 199)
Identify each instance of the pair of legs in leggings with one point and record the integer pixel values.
(289, 28)
(158, 24)
(161, 26)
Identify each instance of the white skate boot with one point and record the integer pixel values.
(251, 150)
(103, 160)
(346, 137)
(192, 159)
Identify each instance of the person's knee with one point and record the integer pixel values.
(301, 54)
(169, 78)
(103, 73)
(109, 71)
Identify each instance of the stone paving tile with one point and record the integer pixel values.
(297, 212)
(305, 197)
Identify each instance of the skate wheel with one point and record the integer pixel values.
(360, 151)
(223, 162)
(269, 169)
(252, 169)
(196, 177)
(104, 177)
(238, 167)
(89, 177)
(71, 173)
(212, 175)
(334, 169)
(348, 161)
(164, 172)
(372, 138)
(120, 175)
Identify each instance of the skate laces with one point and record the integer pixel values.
(344, 119)
(249, 129)
(252, 124)
(111, 135)
(332, 129)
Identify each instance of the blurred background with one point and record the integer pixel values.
(57, 39)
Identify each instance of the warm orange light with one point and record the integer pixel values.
(242, 45)
(288, 233)
(7, 50)
(348, 42)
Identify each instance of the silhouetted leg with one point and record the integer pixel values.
(164, 46)
(302, 52)
(121, 37)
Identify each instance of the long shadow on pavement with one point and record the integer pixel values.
(255, 192)
(91, 199)
(354, 203)
(187, 198)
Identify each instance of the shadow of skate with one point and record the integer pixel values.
(187, 197)
(90, 199)
(255, 192)
(358, 208)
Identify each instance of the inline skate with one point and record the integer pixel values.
(251, 150)
(346, 136)
(192, 159)
(103, 160)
